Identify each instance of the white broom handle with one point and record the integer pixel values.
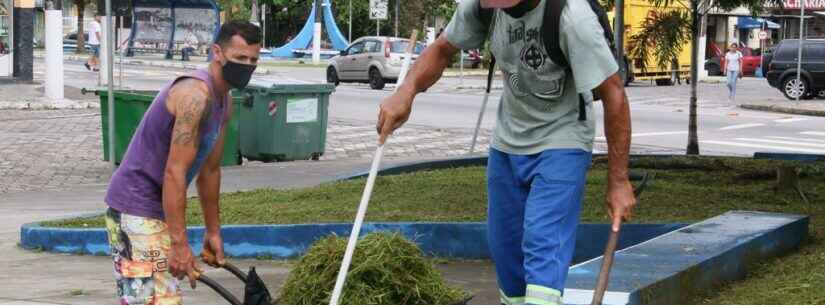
(356, 229)
(365, 197)
(478, 123)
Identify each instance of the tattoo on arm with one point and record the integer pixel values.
(188, 114)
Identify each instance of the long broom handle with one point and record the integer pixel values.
(607, 263)
(365, 197)
(610, 250)
(483, 105)
(356, 229)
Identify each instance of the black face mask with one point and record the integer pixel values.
(520, 9)
(237, 74)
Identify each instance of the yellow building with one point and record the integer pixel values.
(635, 12)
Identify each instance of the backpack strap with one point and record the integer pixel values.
(550, 31)
(485, 15)
(550, 28)
(491, 72)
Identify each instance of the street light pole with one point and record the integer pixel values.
(396, 18)
(110, 81)
(349, 36)
(618, 24)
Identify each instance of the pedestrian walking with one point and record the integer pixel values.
(733, 69)
(94, 43)
(180, 137)
(545, 127)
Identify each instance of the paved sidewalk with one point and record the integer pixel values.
(804, 107)
(14, 95)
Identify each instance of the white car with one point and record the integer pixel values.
(375, 60)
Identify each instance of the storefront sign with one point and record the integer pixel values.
(809, 4)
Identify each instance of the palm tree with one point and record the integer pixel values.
(664, 33)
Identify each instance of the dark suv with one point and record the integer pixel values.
(782, 65)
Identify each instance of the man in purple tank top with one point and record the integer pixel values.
(181, 136)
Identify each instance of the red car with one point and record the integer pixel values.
(716, 65)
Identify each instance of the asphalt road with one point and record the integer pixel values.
(660, 114)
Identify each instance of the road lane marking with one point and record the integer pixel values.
(799, 139)
(741, 126)
(791, 120)
(751, 145)
(649, 134)
(782, 142)
(813, 133)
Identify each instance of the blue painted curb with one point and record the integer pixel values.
(679, 265)
(454, 240)
(425, 165)
(482, 161)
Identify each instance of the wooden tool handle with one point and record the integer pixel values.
(607, 263)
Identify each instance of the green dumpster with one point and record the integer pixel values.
(284, 122)
(129, 109)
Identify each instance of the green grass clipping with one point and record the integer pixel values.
(387, 269)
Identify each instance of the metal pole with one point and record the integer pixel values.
(618, 25)
(349, 36)
(396, 18)
(461, 69)
(377, 27)
(110, 82)
(801, 44)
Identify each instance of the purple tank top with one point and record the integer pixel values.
(137, 185)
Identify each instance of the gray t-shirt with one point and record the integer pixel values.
(539, 107)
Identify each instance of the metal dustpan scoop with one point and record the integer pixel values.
(255, 292)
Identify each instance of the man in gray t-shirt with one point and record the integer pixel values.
(541, 149)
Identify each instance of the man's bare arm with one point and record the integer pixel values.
(395, 110)
(209, 186)
(617, 129)
(429, 66)
(187, 101)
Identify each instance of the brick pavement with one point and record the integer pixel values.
(60, 149)
(50, 149)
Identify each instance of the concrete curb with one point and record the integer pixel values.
(676, 266)
(781, 109)
(453, 240)
(788, 156)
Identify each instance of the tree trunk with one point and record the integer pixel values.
(81, 40)
(693, 137)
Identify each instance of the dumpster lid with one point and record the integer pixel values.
(269, 86)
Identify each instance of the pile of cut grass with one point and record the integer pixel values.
(386, 269)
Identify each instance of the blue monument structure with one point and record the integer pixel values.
(298, 46)
(162, 26)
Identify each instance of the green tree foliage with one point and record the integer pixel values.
(663, 34)
(236, 9)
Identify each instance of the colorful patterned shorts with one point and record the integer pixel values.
(139, 248)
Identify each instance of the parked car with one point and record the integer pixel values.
(70, 42)
(716, 64)
(782, 69)
(375, 60)
(472, 59)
